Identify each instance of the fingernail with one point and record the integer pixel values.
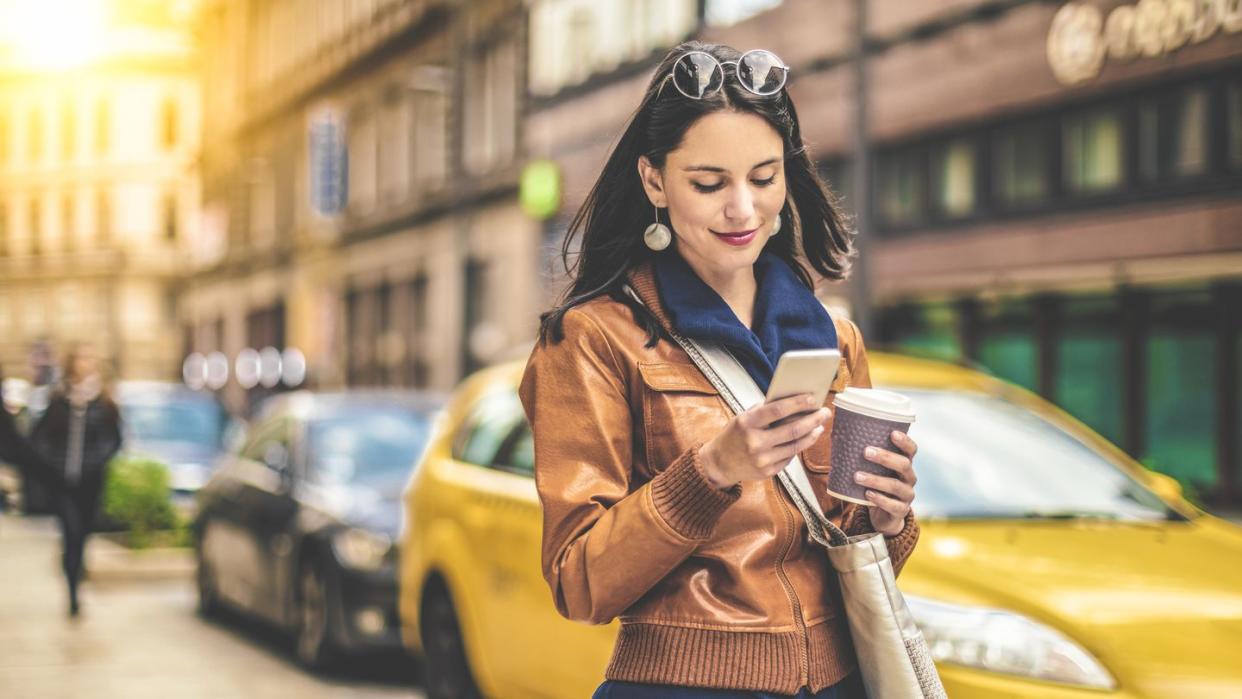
(809, 400)
(870, 451)
(860, 478)
(817, 431)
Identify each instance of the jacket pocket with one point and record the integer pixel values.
(681, 408)
(818, 457)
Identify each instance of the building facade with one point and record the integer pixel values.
(1053, 192)
(98, 201)
(360, 182)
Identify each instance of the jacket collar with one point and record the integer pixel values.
(787, 314)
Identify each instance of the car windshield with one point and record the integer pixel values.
(366, 442)
(173, 420)
(981, 456)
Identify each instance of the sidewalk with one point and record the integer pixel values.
(137, 638)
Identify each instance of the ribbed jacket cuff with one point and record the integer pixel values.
(687, 501)
(901, 546)
(858, 521)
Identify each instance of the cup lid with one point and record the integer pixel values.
(884, 405)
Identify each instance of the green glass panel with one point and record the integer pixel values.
(1181, 406)
(1011, 356)
(1089, 381)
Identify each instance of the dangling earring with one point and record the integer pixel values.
(657, 236)
(776, 227)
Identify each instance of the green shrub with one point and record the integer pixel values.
(137, 496)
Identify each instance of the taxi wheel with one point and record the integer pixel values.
(446, 668)
(314, 648)
(208, 598)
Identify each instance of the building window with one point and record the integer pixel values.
(169, 216)
(431, 139)
(395, 130)
(1233, 101)
(953, 168)
(490, 119)
(66, 223)
(103, 218)
(475, 279)
(168, 123)
(103, 127)
(36, 214)
(34, 143)
(1020, 162)
(1088, 364)
(1181, 412)
(901, 185)
(5, 137)
(68, 132)
(417, 324)
(1190, 133)
(1093, 154)
(1007, 344)
(362, 163)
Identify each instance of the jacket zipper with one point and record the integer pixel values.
(804, 655)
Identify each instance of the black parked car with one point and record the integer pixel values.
(299, 526)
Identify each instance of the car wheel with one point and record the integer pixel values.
(208, 592)
(314, 648)
(446, 669)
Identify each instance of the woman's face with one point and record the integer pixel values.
(724, 187)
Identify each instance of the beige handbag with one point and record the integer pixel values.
(892, 654)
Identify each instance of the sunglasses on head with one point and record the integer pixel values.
(697, 74)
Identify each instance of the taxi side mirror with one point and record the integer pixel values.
(1166, 487)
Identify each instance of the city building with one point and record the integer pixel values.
(360, 189)
(1053, 192)
(99, 127)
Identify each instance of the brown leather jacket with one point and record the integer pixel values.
(715, 588)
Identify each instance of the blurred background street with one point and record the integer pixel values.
(143, 640)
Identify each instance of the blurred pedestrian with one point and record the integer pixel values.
(660, 505)
(77, 435)
(15, 449)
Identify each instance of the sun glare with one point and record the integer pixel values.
(54, 34)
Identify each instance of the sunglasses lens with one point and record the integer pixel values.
(761, 72)
(697, 75)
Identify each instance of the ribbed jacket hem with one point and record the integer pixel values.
(687, 501)
(740, 660)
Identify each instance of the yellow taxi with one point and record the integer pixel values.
(1051, 564)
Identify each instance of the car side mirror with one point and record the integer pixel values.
(1165, 486)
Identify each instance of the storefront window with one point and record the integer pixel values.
(1093, 151)
(928, 330)
(1020, 159)
(1010, 354)
(1181, 390)
(953, 172)
(1089, 361)
(901, 187)
(1233, 98)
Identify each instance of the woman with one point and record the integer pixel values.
(660, 505)
(77, 435)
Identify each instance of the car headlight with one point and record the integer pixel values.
(1005, 642)
(358, 548)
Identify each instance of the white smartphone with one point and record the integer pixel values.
(804, 371)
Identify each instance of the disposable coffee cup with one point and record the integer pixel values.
(864, 417)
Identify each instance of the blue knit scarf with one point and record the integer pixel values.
(787, 316)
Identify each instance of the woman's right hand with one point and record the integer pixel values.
(752, 448)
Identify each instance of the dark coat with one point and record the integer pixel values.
(100, 442)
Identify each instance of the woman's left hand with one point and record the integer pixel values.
(891, 496)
